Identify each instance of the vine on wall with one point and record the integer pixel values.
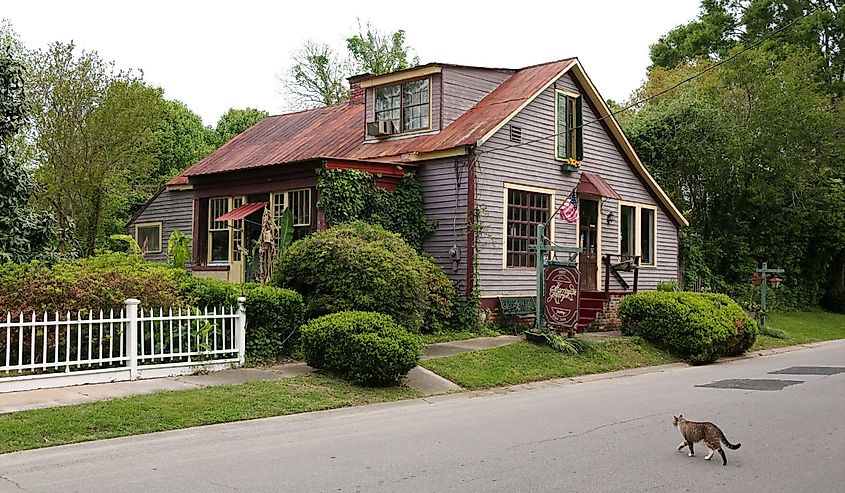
(347, 195)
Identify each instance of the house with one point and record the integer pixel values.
(496, 151)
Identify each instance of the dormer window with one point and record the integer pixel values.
(407, 105)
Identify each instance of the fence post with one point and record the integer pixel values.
(132, 336)
(241, 329)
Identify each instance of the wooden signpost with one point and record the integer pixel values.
(557, 285)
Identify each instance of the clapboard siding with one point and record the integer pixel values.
(463, 87)
(444, 194)
(534, 165)
(174, 208)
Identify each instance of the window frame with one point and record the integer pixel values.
(574, 137)
(401, 120)
(506, 187)
(154, 224)
(638, 207)
(210, 230)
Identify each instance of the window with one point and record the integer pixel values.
(406, 105)
(569, 144)
(638, 232)
(148, 236)
(525, 209)
(218, 231)
(237, 232)
(300, 206)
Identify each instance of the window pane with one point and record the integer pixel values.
(148, 238)
(415, 100)
(300, 203)
(626, 229)
(219, 246)
(647, 236)
(524, 211)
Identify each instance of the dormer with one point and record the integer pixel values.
(399, 104)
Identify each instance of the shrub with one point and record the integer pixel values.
(100, 282)
(835, 299)
(358, 266)
(273, 315)
(365, 347)
(667, 286)
(696, 326)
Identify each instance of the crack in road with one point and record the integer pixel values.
(224, 485)
(6, 478)
(606, 425)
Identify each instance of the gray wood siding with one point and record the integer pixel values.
(463, 87)
(445, 202)
(174, 208)
(534, 165)
(369, 105)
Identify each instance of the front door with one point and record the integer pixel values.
(588, 240)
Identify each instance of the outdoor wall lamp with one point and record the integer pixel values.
(611, 216)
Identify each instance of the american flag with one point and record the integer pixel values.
(569, 209)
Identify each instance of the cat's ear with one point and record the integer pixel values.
(680, 415)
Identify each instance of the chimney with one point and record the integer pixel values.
(356, 92)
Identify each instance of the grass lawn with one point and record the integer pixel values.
(526, 362)
(802, 327)
(181, 409)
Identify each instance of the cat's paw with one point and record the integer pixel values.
(691, 454)
(707, 458)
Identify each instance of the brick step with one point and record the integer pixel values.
(593, 295)
(591, 304)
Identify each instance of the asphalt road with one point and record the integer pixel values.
(608, 435)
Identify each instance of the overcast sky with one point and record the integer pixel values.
(217, 55)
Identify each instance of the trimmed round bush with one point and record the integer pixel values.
(358, 266)
(367, 348)
(834, 300)
(699, 327)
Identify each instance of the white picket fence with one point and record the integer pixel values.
(56, 350)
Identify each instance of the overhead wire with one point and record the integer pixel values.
(649, 98)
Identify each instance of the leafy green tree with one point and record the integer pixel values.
(317, 77)
(90, 141)
(375, 52)
(178, 141)
(25, 234)
(235, 121)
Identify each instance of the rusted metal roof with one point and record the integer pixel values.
(242, 211)
(338, 131)
(594, 184)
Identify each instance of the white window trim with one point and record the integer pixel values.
(209, 220)
(525, 188)
(149, 225)
(286, 194)
(400, 83)
(637, 230)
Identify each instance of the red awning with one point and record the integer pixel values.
(594, 184)
(241, 212)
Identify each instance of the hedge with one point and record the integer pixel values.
(362, 267)
(696, 326)
(273, 315)
(365, 347)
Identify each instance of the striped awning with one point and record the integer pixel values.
(241, 212)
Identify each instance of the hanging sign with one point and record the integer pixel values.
(561, 296)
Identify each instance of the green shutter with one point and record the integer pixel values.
(579, 133)
(561, 132)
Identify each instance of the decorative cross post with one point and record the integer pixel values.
(541, 318)
(760, 276)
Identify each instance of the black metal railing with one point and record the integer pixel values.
(625, 263)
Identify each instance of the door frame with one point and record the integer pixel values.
(598, 200)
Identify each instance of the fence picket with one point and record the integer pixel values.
(83, 345)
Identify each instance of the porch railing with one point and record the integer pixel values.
(43, 350)
(615, 265)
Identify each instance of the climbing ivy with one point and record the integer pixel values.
(348, 195)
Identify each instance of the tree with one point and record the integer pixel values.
(317, 77)
(374, 52)
(235, 121)
(25, 233)
(93, 127)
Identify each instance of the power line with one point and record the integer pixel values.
(644, 100)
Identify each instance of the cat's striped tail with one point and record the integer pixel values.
(727, 443)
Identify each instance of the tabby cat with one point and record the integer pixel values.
(710, 434)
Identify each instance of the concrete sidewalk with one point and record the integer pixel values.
(419, 378)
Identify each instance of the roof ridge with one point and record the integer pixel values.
(299, 112)
(548, 63)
